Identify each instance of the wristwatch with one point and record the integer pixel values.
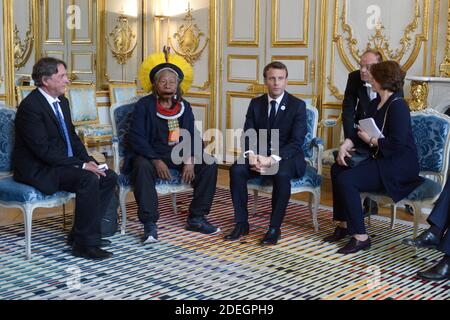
(370, 143)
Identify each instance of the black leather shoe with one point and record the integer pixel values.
(339, 233)
(354, 246)
(94, 253)
(426, 239)
(272, 236)
(240, 229)
(439, 272)
(103, 242)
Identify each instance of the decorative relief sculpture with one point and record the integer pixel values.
(122, 40)
(22, 49)
(188, 38)
(419, 95)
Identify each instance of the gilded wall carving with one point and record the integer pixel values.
(349, 47)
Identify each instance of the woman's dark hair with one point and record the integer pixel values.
(389, 75)
(275, 65)
(45, 67)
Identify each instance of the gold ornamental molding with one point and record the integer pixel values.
(276, 20)
(334, 90)
(379, 40)
(445, 66)
(22, 49)
(188, 38)
(120, 40)
(419, 95)
(256, 27)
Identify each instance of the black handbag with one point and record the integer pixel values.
(358, 156)
(361, 154)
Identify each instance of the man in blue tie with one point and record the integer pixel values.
(277, 122)
(49, 156)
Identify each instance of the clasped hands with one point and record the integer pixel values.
(94, 168)
(162, 170)
(259, 163)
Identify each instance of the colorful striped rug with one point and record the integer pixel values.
(186, 265)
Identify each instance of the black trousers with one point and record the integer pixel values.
(239, 176)
(440, 217)
(144, 178)
(347, 184)
(92, 197)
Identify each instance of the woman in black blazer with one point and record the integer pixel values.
(393, 167)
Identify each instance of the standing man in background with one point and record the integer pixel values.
(357, 97)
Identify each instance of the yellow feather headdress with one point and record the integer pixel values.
(158, 61)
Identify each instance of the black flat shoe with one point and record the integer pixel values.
(93, 253)
(426, 239)
(439, 272)
(272, 236)
(354, 246)
(240, 229)
(339, 234)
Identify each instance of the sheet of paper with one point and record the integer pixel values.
(369, 126)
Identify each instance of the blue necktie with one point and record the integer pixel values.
(63, 127)
(273, 110)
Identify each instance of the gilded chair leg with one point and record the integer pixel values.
(173, 196)
(64, 216)
(28, 219)
(255, 202)
(315, 197)
(417, 211)
(123, 209)
(393, 215)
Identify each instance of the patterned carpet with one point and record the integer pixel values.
(186, 265)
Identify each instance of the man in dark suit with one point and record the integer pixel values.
(155, 127)
(436, 237)
(49, 156)
(278, 157)
(357, 97)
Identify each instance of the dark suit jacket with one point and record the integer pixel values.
(142, 135)
(356, 102)
(398, 162)
(40, 146)
(290, 122)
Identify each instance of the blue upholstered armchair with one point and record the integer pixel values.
(83, 109)
(121, 92)
(431, 131)
(311, 181)
(18, 195)
(120, 116)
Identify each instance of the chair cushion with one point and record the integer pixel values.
(430, 134)
(12, 191)
(310, 180)
(7, 116)
(311, 119)
(425, 191)
(162, 186)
